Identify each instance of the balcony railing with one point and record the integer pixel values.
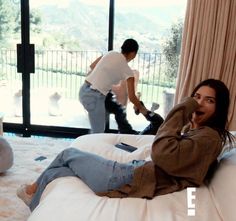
(66, 71)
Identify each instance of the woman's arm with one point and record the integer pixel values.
(188, 155)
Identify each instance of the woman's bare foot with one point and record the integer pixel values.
(31, 188)
(25, 192)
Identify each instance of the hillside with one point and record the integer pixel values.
(89, 24)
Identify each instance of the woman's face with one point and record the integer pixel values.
(206, 98)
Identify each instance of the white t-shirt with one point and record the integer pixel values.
(111, 69)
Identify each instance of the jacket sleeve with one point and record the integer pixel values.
(188, 155)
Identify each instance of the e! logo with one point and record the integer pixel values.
(190, 197)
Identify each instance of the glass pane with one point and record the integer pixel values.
(10, 80)
(157, 26)
(68, 35)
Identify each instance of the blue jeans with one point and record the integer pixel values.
(97, 172)
(94, 102)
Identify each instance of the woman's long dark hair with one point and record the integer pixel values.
(219, 121)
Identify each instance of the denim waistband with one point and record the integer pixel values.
(89, 85)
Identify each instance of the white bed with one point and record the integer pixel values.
(69, 199)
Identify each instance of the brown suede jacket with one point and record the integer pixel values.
(178, 160)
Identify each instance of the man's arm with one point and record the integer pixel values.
(133, 98)
(92, 65)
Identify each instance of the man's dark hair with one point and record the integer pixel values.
(129, 45)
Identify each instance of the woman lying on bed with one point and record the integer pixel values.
(180, 158)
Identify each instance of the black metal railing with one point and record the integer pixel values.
(67, 69)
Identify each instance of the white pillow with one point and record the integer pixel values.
(104, 145)
(6, 155)
(223, 186)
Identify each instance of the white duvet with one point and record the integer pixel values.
(69, 199)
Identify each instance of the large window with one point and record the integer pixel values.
(70, 34)
(157, 26)
(10, 80)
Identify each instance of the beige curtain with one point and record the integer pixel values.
(209, 48)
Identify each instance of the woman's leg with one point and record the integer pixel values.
(97, 172)
(56, 169)
(94, 170)
(48, 176)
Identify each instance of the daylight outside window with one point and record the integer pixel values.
(157, 26)
(68, 36)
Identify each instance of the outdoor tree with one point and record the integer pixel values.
(171, 50)
(10, 28)
(10, 20)
(35, 21)
(7, 20)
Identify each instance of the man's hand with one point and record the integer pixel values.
(136, 110)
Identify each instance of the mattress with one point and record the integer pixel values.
(69, 198)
